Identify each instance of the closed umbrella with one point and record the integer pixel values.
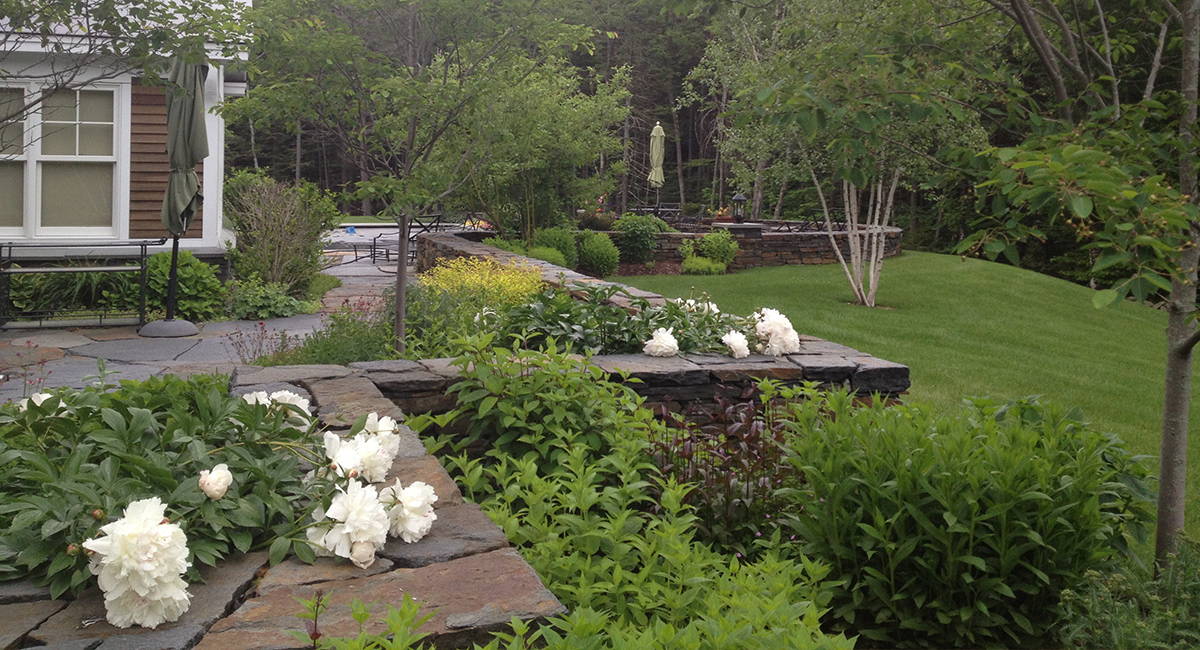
(187, 145)
(657, 136)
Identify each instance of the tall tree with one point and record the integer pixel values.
(390, 81)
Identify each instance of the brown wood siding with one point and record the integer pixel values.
(148, 164)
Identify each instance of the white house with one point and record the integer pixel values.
(89, 163)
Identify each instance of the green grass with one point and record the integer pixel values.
(978, 328)
(355, 219)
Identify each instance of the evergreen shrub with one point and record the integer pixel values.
(561, 239)
(598, 256)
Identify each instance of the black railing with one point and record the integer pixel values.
(9, 268)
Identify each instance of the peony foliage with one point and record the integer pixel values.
(80, 471)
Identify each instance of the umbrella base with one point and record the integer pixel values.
(169, 329)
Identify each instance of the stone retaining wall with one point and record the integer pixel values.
(758, 245)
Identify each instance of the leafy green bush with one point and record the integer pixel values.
(548, 254)
(598, 256)
(279, 228)
(637, 237)
(355, 332)
(510, 245)
(696, 265)
(561, 239)
(251, 299)
(718, 246)
(199, 296)
(957, 531)
(1130, 609)
(77, 458)
(569, 482)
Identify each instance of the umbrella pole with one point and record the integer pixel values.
(169, 327)
(173, 279)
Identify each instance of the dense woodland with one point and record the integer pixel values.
(739, 88)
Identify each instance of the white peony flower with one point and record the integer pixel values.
(376, 424)
(362, 554)
(385, 429)
(776, 330)
(358, 516)
(696, 306)
(166, 604)
(288, 397)
(216, 483)
(738, 346)
(374, 461)
(257, 397)
(316, 533)
(662, 343)
(343, 454)
(37, 399)
(368, 455)
(139, 562)
(410, 509)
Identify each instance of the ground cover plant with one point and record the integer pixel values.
(1132, 609)
(976, 328)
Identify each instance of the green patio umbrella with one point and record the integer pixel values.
(187, 145)
(657, 136)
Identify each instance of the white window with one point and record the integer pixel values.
(59, 167)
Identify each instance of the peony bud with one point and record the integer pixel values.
(216, 483)
(72, 550)
(362, 554)
(98, 514)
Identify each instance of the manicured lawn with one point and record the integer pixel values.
(977, 328)
(384, 220)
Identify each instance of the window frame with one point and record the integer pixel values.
(33, 159)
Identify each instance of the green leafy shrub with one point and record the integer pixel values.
(199, 296)
(598, 256)
(71, 462)
(560, 239)
(250, 298)
(523, 412)
(956, 531)
(718, 246)
(637, 237)
(279, 228)
(548, 254)
(1129, 609)
(355, 332)
(569, 481)
(582, 320)
(696, 265)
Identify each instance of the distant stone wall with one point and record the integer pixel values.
(758, 245)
